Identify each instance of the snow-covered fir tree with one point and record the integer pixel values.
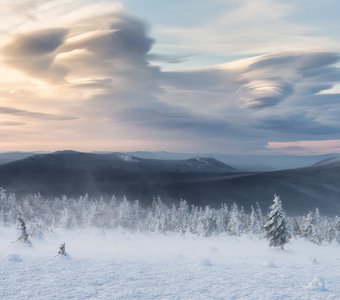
(222, 218)
(296, 227)
(125, 214)
(310, 227)
(330, 232)
(23, 236)
(261, 219)
(337, 228)
(276, 227)
(255, 222)
(8, 208)
(208, 224)
(62, 250)
(319, 228)
(182, 217)
(235, 225)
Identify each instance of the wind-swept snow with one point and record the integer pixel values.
(116, 265)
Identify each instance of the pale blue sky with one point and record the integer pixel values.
(309, 21)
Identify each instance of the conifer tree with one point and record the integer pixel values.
(330, 234)
(318, 233)
(234, 226)
(310, 227)
(337, 229)
(276, 226)
(23, 236)
(62, 250)
(255, 226)
(221, 216)
(208, 223)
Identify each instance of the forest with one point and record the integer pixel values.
(43, 216)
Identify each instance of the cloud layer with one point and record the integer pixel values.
(96, 72)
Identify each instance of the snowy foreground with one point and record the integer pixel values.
(115, 265)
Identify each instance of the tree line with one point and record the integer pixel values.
(45, 215)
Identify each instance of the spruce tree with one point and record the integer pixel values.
(296, 227)
(23, 236)
(62, 250)
(310, 227)
(255, 226)
(208, 224)
(276, 226)
(330, 233)
(234, 226)
(337, 228)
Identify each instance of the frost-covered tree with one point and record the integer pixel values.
(276, 226)
(337, 228)
(23, 236)
(68, 219)
(3, 204)
(311, 227)
(62, 250)
(125, 214)
(43, 215)
(307, 225)
(222, 218)
(319, 228)
(182, 225)
(330, 232)
(255, 222)
(8, 208)
(137, 215)
(259, 214)
(157, 219)
(194, 219)
(235, 225)
(296, 227)
(208, 224)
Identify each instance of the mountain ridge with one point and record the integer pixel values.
(201, 181)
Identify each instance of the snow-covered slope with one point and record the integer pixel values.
(113, 265)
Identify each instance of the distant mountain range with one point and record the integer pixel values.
(75, 173)
(202, 181)
(246, 162)
(7, 157)
(257, 163)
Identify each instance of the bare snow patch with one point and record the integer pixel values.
(213, 250)
(314, 261)
(15, 258)
(206, 262)
(127, 157)
(269, 264)
(317, 284)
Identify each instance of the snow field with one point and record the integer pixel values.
(118, 265)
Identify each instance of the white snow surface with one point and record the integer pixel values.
(120, 265)
(127, 157)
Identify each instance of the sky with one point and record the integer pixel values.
(227, 76)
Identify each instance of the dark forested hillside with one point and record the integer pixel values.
(201, 181)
